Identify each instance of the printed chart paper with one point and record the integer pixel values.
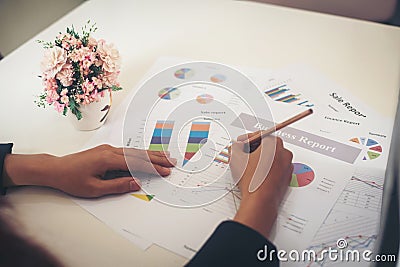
(333, 151)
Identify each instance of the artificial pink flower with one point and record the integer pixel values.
(98, 62)
(62, 64)
(109, 55)
(87, 86)
(110, 78)
(89, 59)
(50, 84)
(53, 61)
(78, 98)
(59, 107)
(65, 45)
(97, 82)
(76, 43)
(64, 99)
(65, 76)
(64, 92)
(80, 54)
(85, 100)
(51, 96)
(75, 56)
(92, 42)
(86, 63)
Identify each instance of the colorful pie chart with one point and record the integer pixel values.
(204, 98)
(169, 93)
(218, 78)
(371, 149)
(302, 175)
(184, 73)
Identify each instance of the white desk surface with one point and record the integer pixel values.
(361, 56)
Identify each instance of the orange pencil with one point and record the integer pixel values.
(253, 142)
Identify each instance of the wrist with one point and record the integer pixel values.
(257, 214)
(37, 169)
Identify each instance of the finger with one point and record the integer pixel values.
(285, 180)
(287, 175)
(163, 171)
(159, 153)
(148, 167)
(117, 186)
(279, 142)
(163, 160)
(145, 154)
(288, 155)
(270, 143)
(236, 146)
(133, 152)
(285, 157)
(237, 150)
(112, 161)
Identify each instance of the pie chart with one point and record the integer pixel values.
(218, 78)
(204, 98)
(169, 93)
(302, 175)
(371, 149)
(184, 73)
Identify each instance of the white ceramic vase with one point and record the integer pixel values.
(93, 115)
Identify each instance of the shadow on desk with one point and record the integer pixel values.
(386, 12)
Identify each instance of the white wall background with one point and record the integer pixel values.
(20, 20)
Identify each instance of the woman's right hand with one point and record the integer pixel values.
(270, 167)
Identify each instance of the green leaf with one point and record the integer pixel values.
(65, 111)
(78, 114)
(41, 101)
(116, 88)
(75, 108)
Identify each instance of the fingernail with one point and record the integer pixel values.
(166, 172)
(135, 184)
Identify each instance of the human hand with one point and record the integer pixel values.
(270, 164)
(80, 174)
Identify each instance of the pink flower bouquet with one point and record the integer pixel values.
(78, 70)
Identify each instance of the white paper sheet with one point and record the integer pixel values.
(327, 165)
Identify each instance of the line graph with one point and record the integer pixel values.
(359, 231)
(370, 183)
(363, 192)
(355, 242)
(355, 216)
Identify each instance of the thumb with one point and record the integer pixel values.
(118, 185)
(236, 147)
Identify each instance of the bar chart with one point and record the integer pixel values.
(283, 93)
(161, 136)
(197, 138)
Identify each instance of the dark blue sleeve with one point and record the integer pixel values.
(4, 150)
(234, 244)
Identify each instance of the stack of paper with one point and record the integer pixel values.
(340, 155)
